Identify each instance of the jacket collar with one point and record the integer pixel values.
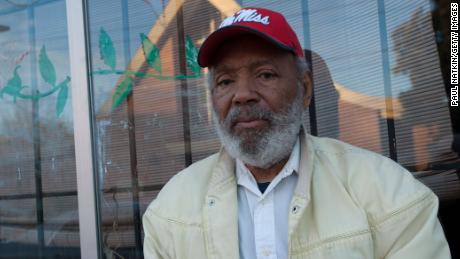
(220, 216)
(301, 197)
(223, 172)
(307, 155)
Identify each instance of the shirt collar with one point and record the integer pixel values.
(246, 179)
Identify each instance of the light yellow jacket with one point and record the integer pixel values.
(348, 203)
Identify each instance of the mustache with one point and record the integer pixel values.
(252, 111)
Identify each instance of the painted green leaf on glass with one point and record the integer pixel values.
(107, 50)
(123, 90)
(62, 96)
(151, 52)
(191, 53)
(13, 86)
(46, 67)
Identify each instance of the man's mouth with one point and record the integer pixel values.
(248, 123)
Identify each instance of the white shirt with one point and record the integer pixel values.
(263, 218)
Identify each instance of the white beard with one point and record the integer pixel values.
(262, 148)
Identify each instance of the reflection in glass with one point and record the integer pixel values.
(378, 85)
(38, 202)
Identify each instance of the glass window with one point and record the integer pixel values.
(38, 197)
(380, 71)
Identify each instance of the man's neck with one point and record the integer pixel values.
(267, 174)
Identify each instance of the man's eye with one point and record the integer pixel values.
(267, 75)
(224, 82)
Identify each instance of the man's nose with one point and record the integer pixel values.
(245, 92)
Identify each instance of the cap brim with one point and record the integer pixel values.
(206, 53)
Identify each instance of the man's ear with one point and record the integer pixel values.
(307, 84)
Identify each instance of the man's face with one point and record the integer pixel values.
(258, 98)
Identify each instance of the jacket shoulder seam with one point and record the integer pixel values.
(345, 149)
(425, 198)
(350, 151)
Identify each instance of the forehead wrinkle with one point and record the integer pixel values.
(225, 68)
(251, 65)
(259, 63)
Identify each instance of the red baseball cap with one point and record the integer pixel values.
(267, 24)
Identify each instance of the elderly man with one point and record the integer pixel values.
(274, 191)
